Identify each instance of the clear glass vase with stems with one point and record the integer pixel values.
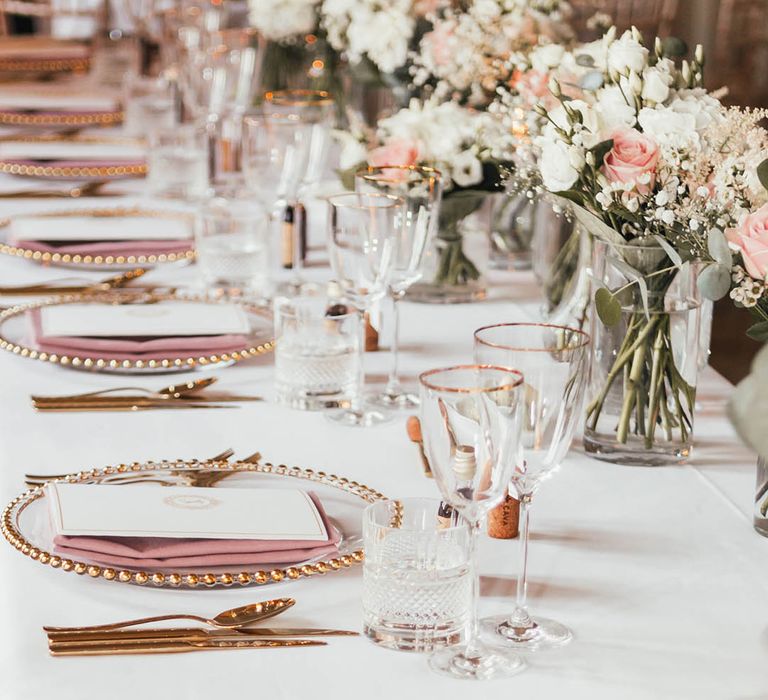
(316, 110)
(511, 227)
(363, 234)
(553, 361)
(642, 390)
(421, 189)
(471, 417)
(761, 498)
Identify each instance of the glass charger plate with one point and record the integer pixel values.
(15, 336)
(26, 524)
(39, 118)
(54, 170)
(96, 261)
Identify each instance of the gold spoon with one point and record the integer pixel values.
(173, 391)
(228, 619)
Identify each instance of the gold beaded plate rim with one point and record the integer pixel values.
(16, 118)
(94, 363)
(184, 579)
(109, 172)
(44, 65)
(96, 261)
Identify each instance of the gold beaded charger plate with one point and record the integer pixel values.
(46, 254)
(39, 118)
(70, 168)
(16, 336)
(26, 522)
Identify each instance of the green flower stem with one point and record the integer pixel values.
(454, 267)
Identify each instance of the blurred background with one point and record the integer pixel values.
(734, 34)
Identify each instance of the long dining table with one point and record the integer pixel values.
(657, 570)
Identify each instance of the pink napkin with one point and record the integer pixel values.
(106, 248)
(158, 348)
(167, 552)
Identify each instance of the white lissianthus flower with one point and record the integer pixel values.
(282, 19)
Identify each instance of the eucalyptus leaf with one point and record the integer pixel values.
(585, 60)
(717, 245)
(601, 150)
(596, 226)
(762, 173)
(749, 405)
(607, 306)
(715, 281)
(636, 277)
(759, 332)
(459, 204)
(347, 176)
(674, 256)
(674, 47)
(593, 80)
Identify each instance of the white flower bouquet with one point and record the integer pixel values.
(451, 138)
(640, 148)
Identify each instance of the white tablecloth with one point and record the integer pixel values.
(658, 571)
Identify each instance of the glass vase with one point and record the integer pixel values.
(453, 264)
(511, 231)
(761, 498)
(642, 387)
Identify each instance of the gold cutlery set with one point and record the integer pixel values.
(232, 630)
(185, 396)
(87, 189)
(59, 287)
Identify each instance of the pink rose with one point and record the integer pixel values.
(396, 152)
(633, 154)
(751, 238)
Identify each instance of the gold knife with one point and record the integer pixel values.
(105, 285)
(126, 636)
(133, 398)
(135, 405)
(171, 647)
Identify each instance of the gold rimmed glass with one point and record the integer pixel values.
(554, 360)
(471, 420)
(363, 234)
(421, 189)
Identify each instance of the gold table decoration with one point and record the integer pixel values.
(261, 341)
(350, 548)
(14, 166)
(53, 119)
(98, 261)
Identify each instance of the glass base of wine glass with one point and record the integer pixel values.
(397, 400)
(543, 633)
(476, 663)
(365, 417)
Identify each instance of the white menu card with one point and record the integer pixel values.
(102, 151)
(112, 228)
(164, 319)
(145, 510)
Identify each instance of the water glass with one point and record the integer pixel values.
(178, 163)
(417, 576)
(148, 105)
(317, 353)
(232, 242)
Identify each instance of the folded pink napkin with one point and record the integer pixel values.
(167, 552)
(106, 248)
(158, 348)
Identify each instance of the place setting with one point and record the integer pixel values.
(420, 265)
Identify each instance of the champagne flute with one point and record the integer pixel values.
(554, 361)
(362, 243)
(421, 188)
(471, 416)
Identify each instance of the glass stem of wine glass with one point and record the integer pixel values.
(473, 639)
(393, 382)
(297, 263)
(356, 404)
(520, 619)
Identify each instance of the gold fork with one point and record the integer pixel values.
(87, 189)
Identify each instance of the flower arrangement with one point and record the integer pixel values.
(649, 159)
(451, 138)
(281, 20)
(471, 49)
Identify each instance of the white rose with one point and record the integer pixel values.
(627, 54)
(704, 108)
(656, 85)
(668, 127)
(613, 110)
(559, 165)
(545, 58)
(466, 169)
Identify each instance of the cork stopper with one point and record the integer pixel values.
(464, 463)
